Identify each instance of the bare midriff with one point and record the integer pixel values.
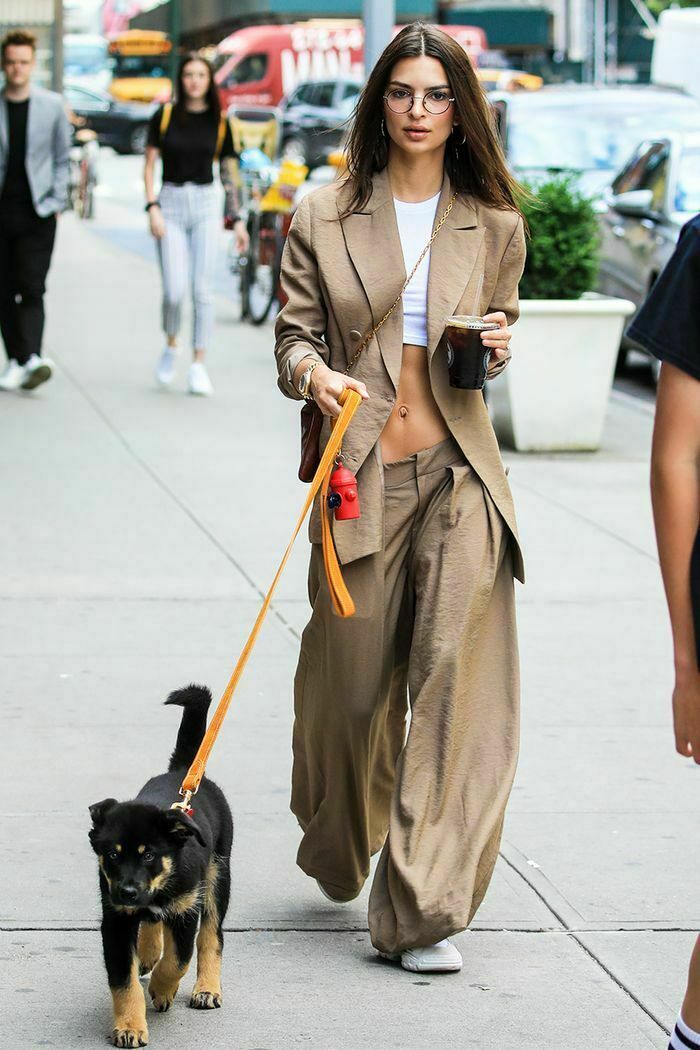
(415, 422)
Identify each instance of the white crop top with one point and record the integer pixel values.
(415, 222)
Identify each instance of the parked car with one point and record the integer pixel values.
(122, 125)
(314, 118)
(586, 129)
(654, 195)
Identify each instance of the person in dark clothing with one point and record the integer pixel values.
(668, 325)
(34, 160)
(190, 135)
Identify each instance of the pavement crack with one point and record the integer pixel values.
(567, 915)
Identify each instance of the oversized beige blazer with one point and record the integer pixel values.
(341, 276)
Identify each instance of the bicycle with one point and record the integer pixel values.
(83, 173)
(268, 224)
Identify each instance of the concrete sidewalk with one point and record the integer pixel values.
(138, 530)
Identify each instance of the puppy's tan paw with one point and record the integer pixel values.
(130, 1037)
(206, 1000)
(161, 1001)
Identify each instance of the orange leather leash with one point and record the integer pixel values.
(350, 401)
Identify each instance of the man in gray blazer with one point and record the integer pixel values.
(34, 168)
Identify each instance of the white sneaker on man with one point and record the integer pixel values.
(198, 381)
(165, 372)
(36, 371)
(12, 376)
(442, 957)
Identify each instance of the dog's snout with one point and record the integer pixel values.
(128, 894)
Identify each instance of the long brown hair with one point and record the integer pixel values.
(212, 96)
(474, 159)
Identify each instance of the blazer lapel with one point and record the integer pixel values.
(4, 143)
(452, 260)
(374, 246)
(32, 118)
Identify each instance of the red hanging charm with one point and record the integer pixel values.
(343, 499)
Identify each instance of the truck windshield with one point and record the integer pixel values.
(141, 66)
(248, 70)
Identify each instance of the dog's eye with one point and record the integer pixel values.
(113, 855)
(149, 856)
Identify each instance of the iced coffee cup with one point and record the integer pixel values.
(467, 357)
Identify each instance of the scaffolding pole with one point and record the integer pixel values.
(379, 18)
(57, 47)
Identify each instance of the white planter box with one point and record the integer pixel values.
(553, 395)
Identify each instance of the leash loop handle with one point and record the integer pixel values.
(350, 401)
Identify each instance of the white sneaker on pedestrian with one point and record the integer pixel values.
(12, 376)
(442, 957)
(165, 372)
(198, 381)
(36, 371)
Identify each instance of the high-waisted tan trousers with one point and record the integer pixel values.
(435, 613)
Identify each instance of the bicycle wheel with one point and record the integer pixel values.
(245, 264)
(262, 269)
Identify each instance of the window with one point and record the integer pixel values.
(350, 91)
(324, 96)
(80, 98)
(688, 185)
(141, 66)
(647, 170)
(305, 94)
(249, 70)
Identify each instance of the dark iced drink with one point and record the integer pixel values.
(467, 357)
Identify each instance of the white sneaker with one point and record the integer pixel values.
(442, 957)
(36, 371)
(165, 372)
(198, 381)
(13, 376)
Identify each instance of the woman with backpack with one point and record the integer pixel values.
(189, 135)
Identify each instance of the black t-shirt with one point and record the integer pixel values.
(15, 189)
(188, 146)
(668, 325)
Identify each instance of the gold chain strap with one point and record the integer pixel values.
(368, 338)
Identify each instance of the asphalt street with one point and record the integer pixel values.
(138, 531)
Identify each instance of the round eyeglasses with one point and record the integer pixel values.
(400, 100)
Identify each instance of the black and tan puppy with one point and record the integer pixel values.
(165, 881)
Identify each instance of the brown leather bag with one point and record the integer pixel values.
(311, 414)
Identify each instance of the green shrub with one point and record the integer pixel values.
(563, 248)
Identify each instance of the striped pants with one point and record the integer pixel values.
(188, 249)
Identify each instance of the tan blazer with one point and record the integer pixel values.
(341, 276)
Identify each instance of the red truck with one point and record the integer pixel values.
(261, 64)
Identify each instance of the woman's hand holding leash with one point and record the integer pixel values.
(327, 386)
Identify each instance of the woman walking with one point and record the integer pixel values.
(430, 562)
(190, 135)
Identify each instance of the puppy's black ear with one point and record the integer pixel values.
(180, 827)
(99, 811)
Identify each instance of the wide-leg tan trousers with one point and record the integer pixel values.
(435, 623)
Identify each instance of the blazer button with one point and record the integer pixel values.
(355, 335)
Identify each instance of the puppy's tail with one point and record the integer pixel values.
(195, 700)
